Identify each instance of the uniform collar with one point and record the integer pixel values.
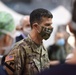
(35, 47)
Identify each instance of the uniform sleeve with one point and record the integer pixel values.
(16, 59)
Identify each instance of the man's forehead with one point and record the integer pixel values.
(44, 18)
(24, 20)
(26, 17)
(47, 20)
(59, 35)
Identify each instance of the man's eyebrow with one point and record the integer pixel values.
(48, 24)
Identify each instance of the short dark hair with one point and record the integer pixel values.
(37, 14)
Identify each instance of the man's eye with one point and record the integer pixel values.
(48, 25)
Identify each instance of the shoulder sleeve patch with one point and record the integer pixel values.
(9, 58)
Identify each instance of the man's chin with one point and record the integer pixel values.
(46, 38)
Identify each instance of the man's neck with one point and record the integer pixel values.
(35, 38)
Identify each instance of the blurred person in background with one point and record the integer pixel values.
(56, 52)
(72, 28)
(29, 55)
(7, 28)
(72, 24)
(24, 28)
(7, 40)
(60, 49)
(65, 35)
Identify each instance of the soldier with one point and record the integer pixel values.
(29, 56)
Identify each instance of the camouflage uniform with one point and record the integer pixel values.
(27, 56)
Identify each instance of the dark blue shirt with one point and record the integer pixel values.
(62, 69)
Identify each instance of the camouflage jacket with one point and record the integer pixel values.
(27, 58)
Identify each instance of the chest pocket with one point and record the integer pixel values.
(30, 64)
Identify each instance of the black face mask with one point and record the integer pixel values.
(45, 32)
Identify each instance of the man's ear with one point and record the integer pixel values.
(35, 26)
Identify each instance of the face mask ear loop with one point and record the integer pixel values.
(38, 31)
(40, 28)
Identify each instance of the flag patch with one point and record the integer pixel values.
(9, 58)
